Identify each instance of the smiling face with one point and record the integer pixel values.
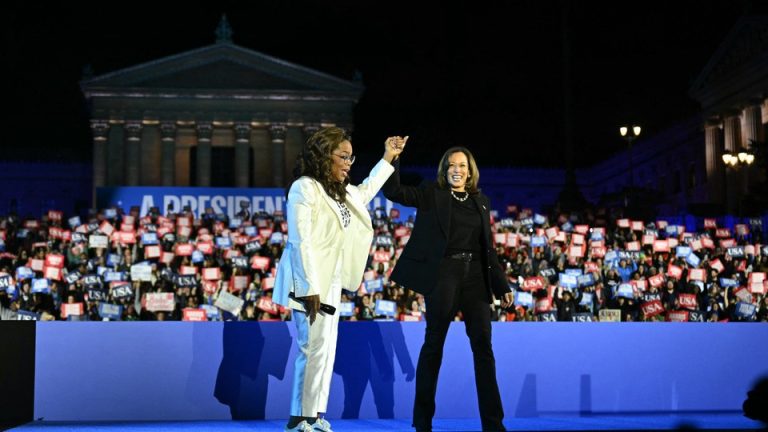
(458, 171)
(340, 167)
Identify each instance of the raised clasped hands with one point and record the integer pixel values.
(393, 146)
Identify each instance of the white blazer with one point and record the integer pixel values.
(316, 237)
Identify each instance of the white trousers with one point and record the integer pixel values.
(317, 352)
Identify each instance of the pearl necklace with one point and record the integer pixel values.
(460, 199)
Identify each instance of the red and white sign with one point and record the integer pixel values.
(513, 240)
(697, 274)
(661, 224)
(677, 316)
(599, 252)
(184, 221)
(401, 231)
(533, 283)
(394, 213)
(696, 245)
(187, 270)
(126, 237)
(543, 304)
(382, 256)
(239, 283)
(212, 273)
(259, 262)
(183, 231)
(652, 308)
(31, 224)
(52, 273)
(722, 233)
(500, 238)
(54, 232)
(657, 280)
(577, 239)
(623, 223)
(633, 246)
(68, 309)
(660, 246)
(561, 237)
(638, 226)
(160, 302)
(55, 215)
(590, 267)
(710, 224)
(674, 271)
(687, 301)
(743, 294)
(183, 249)
(707, 242)
(727, 243)
(577, 251)
(265, 304)
(267, 283)
(189, 314)
(639, 284)
(717, 265)
(581, 229)
(205, 247)
(210, 287)
(127, 227)
(672, 242)
(152, 251)
(741, 229)
(54, 260)
(36, 264)
(648, 239)
(167, 257)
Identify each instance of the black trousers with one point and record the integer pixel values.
(460, 287)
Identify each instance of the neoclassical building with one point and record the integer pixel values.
(221, 115)
(733, 92)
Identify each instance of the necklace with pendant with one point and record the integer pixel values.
(462, 199)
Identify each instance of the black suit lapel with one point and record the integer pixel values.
(484, 215)
(443, 207)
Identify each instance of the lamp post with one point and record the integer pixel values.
(630, 134)
(741, 158)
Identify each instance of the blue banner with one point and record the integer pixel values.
(41, 286)
(197, 257)
(586, 299)
(682, 251)
(5, 282)
(110, 311)
(626, 291)
(385, 307)
(374, 285)
(693, 260)
(22, 315)
(574, 272)
(111, 276)
(728, 283)
(539, 219)
(745, 310)
(220, 200)
(538, 241)
(346, 309)
(568, 281)
(524, 299)
(149, 238)
(586, 280)
(582, 317)
(211, 311)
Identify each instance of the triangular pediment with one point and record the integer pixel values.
(223, 66)
(744, 51)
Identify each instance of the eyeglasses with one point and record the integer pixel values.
(347, 159)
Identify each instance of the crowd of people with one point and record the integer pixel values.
(589, 266)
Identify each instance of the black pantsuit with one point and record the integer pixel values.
(450, 285)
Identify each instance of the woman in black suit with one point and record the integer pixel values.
(451, 260)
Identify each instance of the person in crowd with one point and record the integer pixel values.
(451, 260)
(329, 236)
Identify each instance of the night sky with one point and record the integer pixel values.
(487, 75)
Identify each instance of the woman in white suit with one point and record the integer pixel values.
(329, 237)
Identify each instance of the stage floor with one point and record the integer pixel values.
(635, 422)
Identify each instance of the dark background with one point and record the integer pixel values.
(488, 75)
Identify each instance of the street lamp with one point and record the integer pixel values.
(630, 134)
(736, 160)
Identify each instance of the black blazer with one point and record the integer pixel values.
(418, 265)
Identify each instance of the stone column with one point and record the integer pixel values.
(132, 152)
(753, 130)
(204, 136)
(733, 183)
(277, 134)
(731, 129)
(242, 161)
(168, 153)
(713, 150)
(100, 130)
(310, 129)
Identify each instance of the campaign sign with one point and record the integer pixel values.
(267, 305)
(576, 251)
(185, 281)
(710, 223)
(652, 308)
(385, 307)
(567, 227)
(152, 252)
(743, 294)
(582, 317)
(346, 309)
(543, 304)
(574, 271)
(192, 314)
(534, 283)
(5, 282)
(239, 283)
(223, 242)
(252, 247)
(69, 309)
(74, 221)
(674, 271)
(278, 237)
(577, 239)
(599, 252)
(197, 257)
(722, 233)
(682, 251)
(728, 283)
(568, 281)
(707, 243)
(697, 274)
(639, 284)
(548, 273)
(96, 295)
(113, 276)
(586, 299)
(660, 246)
(149, 238)
(538, 241)
(110, 311)
(121, 290)
(239, 262)
(611, 256)
(742, 229)
(160, 302)
(633, 246)
(41, 286)
(374, 285)
(677, 316)
(586, 280)
(211, 311)
(693, 260)
(696, 316)
(212, 273)
(91, 280)
(736, 252)
(547, 316)
(22, 315)
(141, 272)
(187, 270)
(610, 315)
(745, 310)
(524, 299)
(590, 267)
(687, 301)
(717, 265)
(98, 241)
(23, 273)
(625, 290)
(623, 223)
(259, 263)
(539, 219)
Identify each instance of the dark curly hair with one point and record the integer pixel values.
(315, 161)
